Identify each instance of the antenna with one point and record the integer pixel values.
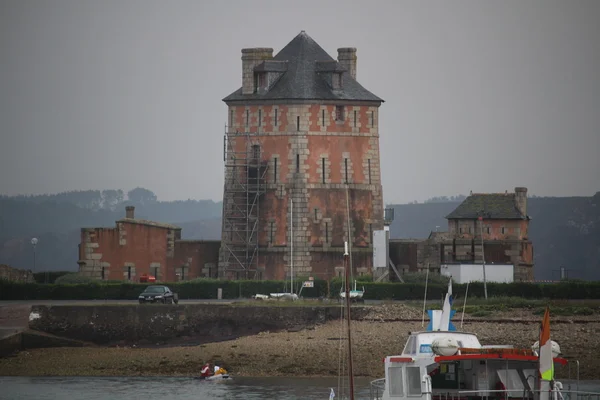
(425, 296)
(464, 306)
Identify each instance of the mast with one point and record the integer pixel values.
(349, 233)
(291, 246)
(350, 369)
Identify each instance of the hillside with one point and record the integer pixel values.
(565, 230)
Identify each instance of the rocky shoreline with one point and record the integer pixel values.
(313, 351)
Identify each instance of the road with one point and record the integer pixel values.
(188, 301)
(102, 302)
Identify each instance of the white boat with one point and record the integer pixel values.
(218, 377)
(445, 364)
(355, 295)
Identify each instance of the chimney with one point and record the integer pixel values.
(250, 59)
(347, 58)
(129, 212)
(521, 199)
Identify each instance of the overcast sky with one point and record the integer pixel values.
(480, 95)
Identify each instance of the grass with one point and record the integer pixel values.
(480, 307)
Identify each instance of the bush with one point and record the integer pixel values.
(74, 278)
(48, 276)
(500, 296)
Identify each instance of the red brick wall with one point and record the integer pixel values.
(318, 135)
(129, 244)
(193, 255)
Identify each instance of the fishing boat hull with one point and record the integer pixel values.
(219, 377)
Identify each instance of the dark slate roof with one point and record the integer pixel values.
(301, 81)
(488, 205)
(148, 223)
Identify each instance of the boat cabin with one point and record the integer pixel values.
(454, 365)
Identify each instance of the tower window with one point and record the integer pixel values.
(339, 113)
(259, 81)
(297, 162)
(355, 118)
(323, 170)
(316, 213)
(276, 116)
(297, 123)
(346, 169)
(271, 229)
(103, 274)
(275, 160)
(337, 80)
(247, 117)
(369, 167)
(129, 273)
(372, 119)
(322, 117)
(326, 232)
(370, 233)
(259, 117)
(256, 152)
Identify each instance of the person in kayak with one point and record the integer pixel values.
(205, 372)
(220, 370)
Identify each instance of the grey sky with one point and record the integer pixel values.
(480, 95)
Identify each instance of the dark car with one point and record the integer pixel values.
(158, 294)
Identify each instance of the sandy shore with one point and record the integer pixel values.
(311, 352)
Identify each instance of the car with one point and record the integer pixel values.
(158, 294)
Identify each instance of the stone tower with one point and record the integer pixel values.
(301, 164)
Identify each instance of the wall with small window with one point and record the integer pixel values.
(493, 229)
(341, 118)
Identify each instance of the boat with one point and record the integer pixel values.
(355, 295)
(443, 363)
(218, 377)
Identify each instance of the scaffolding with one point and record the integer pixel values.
(245, 183)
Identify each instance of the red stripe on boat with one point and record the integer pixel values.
(401, 359)
(518, 357)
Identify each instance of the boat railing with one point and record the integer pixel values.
(377, 391)
(376, 388)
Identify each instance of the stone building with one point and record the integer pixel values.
(11, 274)
(136, 247)
(302, 165)
(500, 219)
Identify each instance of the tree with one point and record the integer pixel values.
(141, 195)
(111, 198)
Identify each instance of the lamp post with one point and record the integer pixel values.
(34, 243)
(483, 259)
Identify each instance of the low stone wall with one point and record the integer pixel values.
(10, 344)
(15, 275)
(160, 324)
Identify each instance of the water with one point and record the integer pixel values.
(166, 388)
(146, 388)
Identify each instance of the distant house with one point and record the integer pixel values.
(500, 219)
(496, 216)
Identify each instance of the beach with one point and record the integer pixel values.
(313, 351)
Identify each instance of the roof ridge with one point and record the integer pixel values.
(302, 80)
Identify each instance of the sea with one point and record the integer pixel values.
(166, 388)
